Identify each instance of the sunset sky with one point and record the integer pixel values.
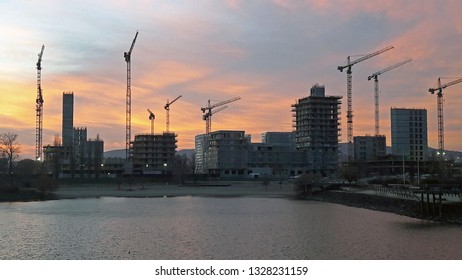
(269, 53)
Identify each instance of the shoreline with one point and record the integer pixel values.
(157, 190)
(452, 212)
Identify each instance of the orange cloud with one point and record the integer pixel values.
(168, 73)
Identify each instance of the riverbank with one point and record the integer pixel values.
(218, 189)
(451, 211)
(25, 195)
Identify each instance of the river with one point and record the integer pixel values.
(216, 228)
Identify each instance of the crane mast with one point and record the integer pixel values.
(376, 91)
(207, 117)
(207, 110)
(439, 104)
(167, 111)
(349, 94)
(39, 109)
(128, 103)
(152, 117)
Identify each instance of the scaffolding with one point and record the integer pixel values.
(316, 123)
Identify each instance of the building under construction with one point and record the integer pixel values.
(153, 154)
(317, 124)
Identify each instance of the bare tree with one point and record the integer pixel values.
(10, 148)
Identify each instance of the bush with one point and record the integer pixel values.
(45, 185)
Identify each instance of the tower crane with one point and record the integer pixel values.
(39, 109)
(128, 107)
(376, 90)
(207, 117)
(152, 117)
(349, 93)
(439, 99)
(167, 111)
(208, 112)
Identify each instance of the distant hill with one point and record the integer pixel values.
(115, 154)
(189, 153)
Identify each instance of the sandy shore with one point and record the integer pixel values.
(156, 190)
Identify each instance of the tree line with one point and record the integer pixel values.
(24, 176)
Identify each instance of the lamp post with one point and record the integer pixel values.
(165, 172)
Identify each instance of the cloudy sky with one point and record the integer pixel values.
(269, 53)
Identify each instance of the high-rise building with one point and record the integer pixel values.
(409, 138)
(316, 123)
(68, 119)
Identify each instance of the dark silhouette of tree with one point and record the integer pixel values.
(45, 185)
(350, 172)
(10, 148)
(181, 166)
(28, 167)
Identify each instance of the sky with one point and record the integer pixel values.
(269, 53)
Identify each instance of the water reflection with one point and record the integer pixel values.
(216, 228)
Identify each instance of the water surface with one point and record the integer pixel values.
(216, 228)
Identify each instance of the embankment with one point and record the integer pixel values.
(451, 212)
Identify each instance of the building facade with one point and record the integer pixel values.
(201, 148)
(153, 154)
(275, 156)
(68, 119)
(409, 138)
(222, 153)
(370, 147)
(317, 126)
(274, 160)
(283, 138)
(227, 153)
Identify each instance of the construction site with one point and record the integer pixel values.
(311, 148)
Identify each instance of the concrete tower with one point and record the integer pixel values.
(68, 119)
